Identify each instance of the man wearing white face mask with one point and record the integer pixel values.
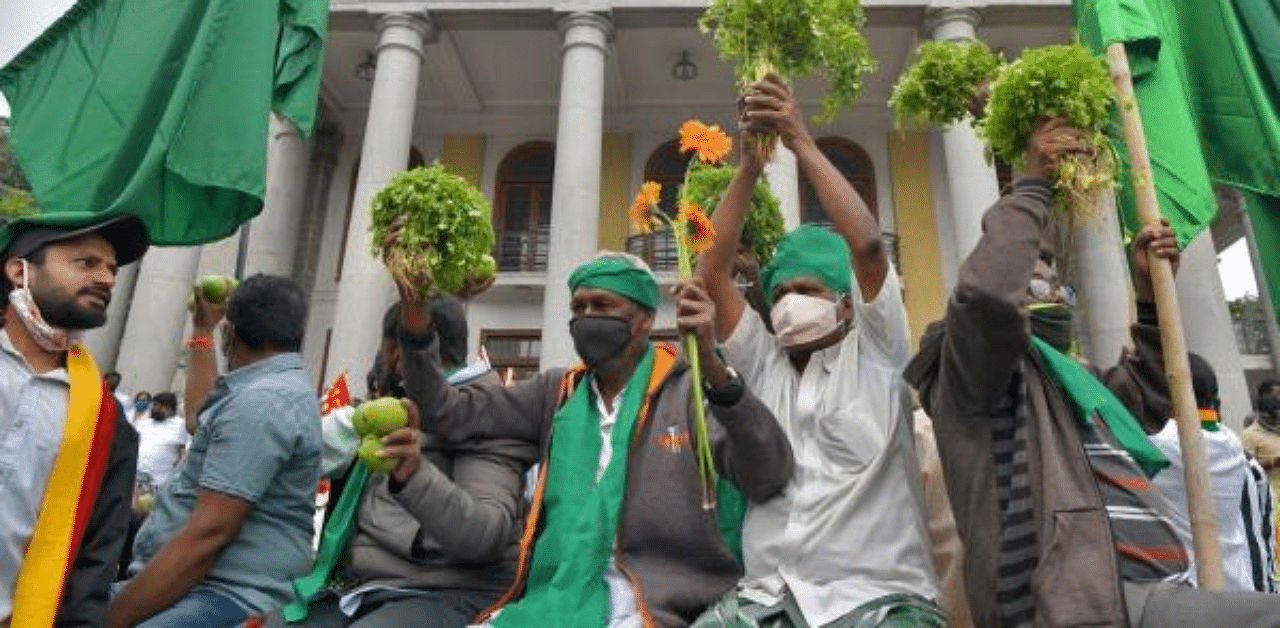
(67, 452)
(846, 541)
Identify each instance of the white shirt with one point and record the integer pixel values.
(1228, 473)
(849, 527)
(33, 416)
(624, 613)
(158, 445)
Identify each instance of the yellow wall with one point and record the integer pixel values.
(464, 155)
(924, 292)
(615, 192)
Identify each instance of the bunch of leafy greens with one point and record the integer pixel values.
(794, 38)
(447, 236)
(940, 88)
(1056, 81)
(704, 185)
(16, 204)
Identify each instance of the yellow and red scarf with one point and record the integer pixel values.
(73, 489)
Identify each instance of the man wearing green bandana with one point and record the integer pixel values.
(619, 534)
(846, 544)
(1048, 464)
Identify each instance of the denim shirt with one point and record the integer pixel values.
(259, 441)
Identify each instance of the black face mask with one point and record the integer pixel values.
(599, 339)
(1052, 324)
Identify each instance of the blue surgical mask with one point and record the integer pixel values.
(141, 405)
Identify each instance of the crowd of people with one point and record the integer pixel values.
(1024, 489)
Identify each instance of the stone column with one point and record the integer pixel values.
(365, 289)
(152, 342)
(1264, 295)
(273, 234)
(575, 196)
(971, 181)
(1208, 328)
(784, 180)
(1102, 285)
(104, 342)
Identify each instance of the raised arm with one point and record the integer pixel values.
(202, 366)
(1139, 379)
(715, 265)
(771, 107)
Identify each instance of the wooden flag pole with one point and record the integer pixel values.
(1200, 506)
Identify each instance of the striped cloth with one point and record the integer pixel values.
(1017, 557)
(1147, 546)
(1259, 523)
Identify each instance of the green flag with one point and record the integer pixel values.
(1173, 142)
(159, 108)
(1207, 103)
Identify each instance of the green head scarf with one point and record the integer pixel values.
(616, 274)
(809, 251)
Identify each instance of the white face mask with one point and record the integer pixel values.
(50, 338)
(799, 319)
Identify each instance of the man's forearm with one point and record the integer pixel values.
(181, 564)
(202, 371)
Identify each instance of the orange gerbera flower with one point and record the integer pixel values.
(641, 212)
(697, 227)
(711, 143)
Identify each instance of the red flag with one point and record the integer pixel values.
(337, 396)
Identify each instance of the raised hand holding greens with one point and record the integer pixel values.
(793, 38)
(446, 240)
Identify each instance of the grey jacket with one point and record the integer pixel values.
(84, 597)
(455, 524)
(964, 367)
(667, 545)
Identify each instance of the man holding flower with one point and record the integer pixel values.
(846, 542)
(619, 533)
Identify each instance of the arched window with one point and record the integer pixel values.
(665, 166)
(522, 216)
(854, 164)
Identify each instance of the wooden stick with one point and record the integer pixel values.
(1200, 506)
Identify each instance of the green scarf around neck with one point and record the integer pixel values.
(1090, 395)
(566, 586)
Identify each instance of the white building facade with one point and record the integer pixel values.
(558, 111)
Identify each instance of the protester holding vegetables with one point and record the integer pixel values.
(618, 534)
(846, 542)
(1047, 463)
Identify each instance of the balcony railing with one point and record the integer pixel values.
(1251, 334)
(523, 250)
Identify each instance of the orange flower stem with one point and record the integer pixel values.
(702, 444)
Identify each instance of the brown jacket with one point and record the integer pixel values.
(964, 366)
(668, 546)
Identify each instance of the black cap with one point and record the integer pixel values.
(126, 234)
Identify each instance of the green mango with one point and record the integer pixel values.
(378, 417)
(369, 446)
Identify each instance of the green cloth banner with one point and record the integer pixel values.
(159, 108)
(1204, 77)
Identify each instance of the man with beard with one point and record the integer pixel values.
(433, 548)
(620, 532)
(67, 453)
(232, 529)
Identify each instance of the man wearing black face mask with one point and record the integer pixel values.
(619, 533)
(1047, 463)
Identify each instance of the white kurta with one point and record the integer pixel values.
(849, 527)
